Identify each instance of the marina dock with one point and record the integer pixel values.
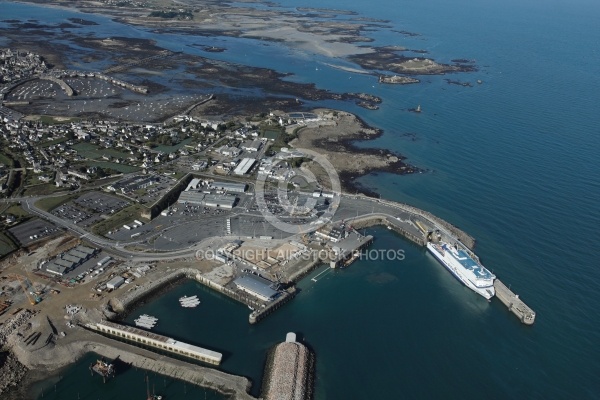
(146, 321)
(189, 301)
(514, 303)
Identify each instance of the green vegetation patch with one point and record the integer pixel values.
(50, 203)
(6, 160)
(125, 216)
(53, 142)
(123, 168)
(174, 148)
(92, 151)
(43, 189)
(16, 210)
(6, 245)
(272, 134)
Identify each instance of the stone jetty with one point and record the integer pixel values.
(289, 372)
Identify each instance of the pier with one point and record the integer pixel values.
(515, 305)
(283, 298)
(156, 341)
(289, 371)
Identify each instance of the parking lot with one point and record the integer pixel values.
(89, 208)
(34, 230)
(76, 215)
(101, 203)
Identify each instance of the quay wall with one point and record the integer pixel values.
(464, 237)
(312, 265)
(515, 305)
(258, 315)
(122, 305)
(382, 220)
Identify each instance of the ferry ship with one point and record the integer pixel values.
(474, 275)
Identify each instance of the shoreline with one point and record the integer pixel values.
(337, 38)
(337, 139)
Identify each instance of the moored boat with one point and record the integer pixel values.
(464, 267)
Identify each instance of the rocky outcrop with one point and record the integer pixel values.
(11, 372)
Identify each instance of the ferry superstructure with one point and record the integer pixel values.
(456, 260)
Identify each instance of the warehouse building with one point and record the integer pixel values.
(207, 200)
(56, 269)
(229, 186)
(256, 286)
(115, 282)
(244, 166)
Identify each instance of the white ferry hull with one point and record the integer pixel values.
(486, 292)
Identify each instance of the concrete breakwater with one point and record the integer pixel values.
(416, 225)
(465, 238)
(384, 220)
(515, 305)
(236, 387)
(289, 372)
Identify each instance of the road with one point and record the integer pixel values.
(202, 231)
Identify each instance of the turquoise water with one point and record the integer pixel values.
(512, 161)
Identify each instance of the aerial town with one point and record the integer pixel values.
(98, 215)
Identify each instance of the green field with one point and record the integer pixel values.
(171, 149)
(39, 190)
(6, 245)
(117, 167)
(16, 210)
(92, 151)
(125, 216)
(52, 142)
(271, 134)
(6, 160)
(50, 203)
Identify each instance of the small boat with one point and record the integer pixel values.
(104, 369)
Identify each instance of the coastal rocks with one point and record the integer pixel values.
(11, 372)
(365, 100)
(397, 79)
(386, 59)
